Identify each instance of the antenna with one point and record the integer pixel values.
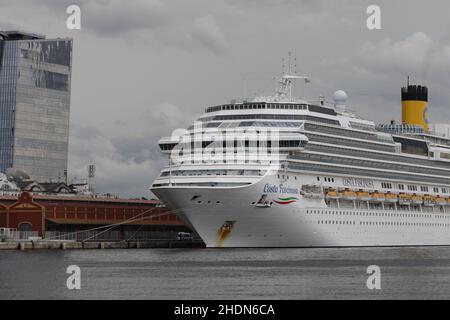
(287, 79)
(289, 63)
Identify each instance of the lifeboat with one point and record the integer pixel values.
(348, 195)
(364, 195)
(404, 199)
(390, 197)
(440, 201)
(416, 199)
(378, 196)
(429, 201)
(311, 191)
(332, 194)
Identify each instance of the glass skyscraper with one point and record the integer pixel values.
(35, 76)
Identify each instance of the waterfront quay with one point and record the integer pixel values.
(63, 245)
(38, 221)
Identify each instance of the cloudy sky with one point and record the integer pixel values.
(142, 68)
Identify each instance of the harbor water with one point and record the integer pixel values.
(322, 273)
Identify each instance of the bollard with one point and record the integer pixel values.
(63, 246)
(21, 246)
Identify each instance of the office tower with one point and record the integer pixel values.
(35, 77)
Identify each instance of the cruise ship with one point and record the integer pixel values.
(279, 171)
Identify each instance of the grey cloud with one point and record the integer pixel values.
(113, 18)
(85, 132)
(154, 20)
(140, 149)
(126, 154)
(208, 33)
(387, 63)
(401, 56)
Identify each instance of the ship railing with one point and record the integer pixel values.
(16, 235)
(386, 206)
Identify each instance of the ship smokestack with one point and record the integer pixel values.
(415, 105)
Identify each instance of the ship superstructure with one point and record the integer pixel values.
(278, 171)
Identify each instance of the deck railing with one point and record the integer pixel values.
(99, 235)
(18, 235)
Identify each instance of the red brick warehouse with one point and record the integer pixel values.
(64, 213)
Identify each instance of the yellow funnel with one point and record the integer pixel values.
(414, 106)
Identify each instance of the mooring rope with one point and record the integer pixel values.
(111, 226)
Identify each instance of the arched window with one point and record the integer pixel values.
(25, 226)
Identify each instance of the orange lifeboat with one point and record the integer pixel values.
(441, 201)
(390, 197)
(416, 199)
(429, 201)
(348, 195)
(363, 195)
(332, 194)
(404, 199)
(378, 196)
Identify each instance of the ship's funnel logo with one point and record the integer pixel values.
(425, 115)
(224, 232)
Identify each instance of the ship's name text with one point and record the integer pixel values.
(360, 183)
(272, 188)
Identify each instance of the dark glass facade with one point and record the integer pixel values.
(35, 77)
(8, 89)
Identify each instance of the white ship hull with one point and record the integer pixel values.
(302, 222)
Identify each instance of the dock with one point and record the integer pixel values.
(65, 245)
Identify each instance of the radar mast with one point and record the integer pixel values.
(285, 83)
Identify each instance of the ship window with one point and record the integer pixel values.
(444, 155)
